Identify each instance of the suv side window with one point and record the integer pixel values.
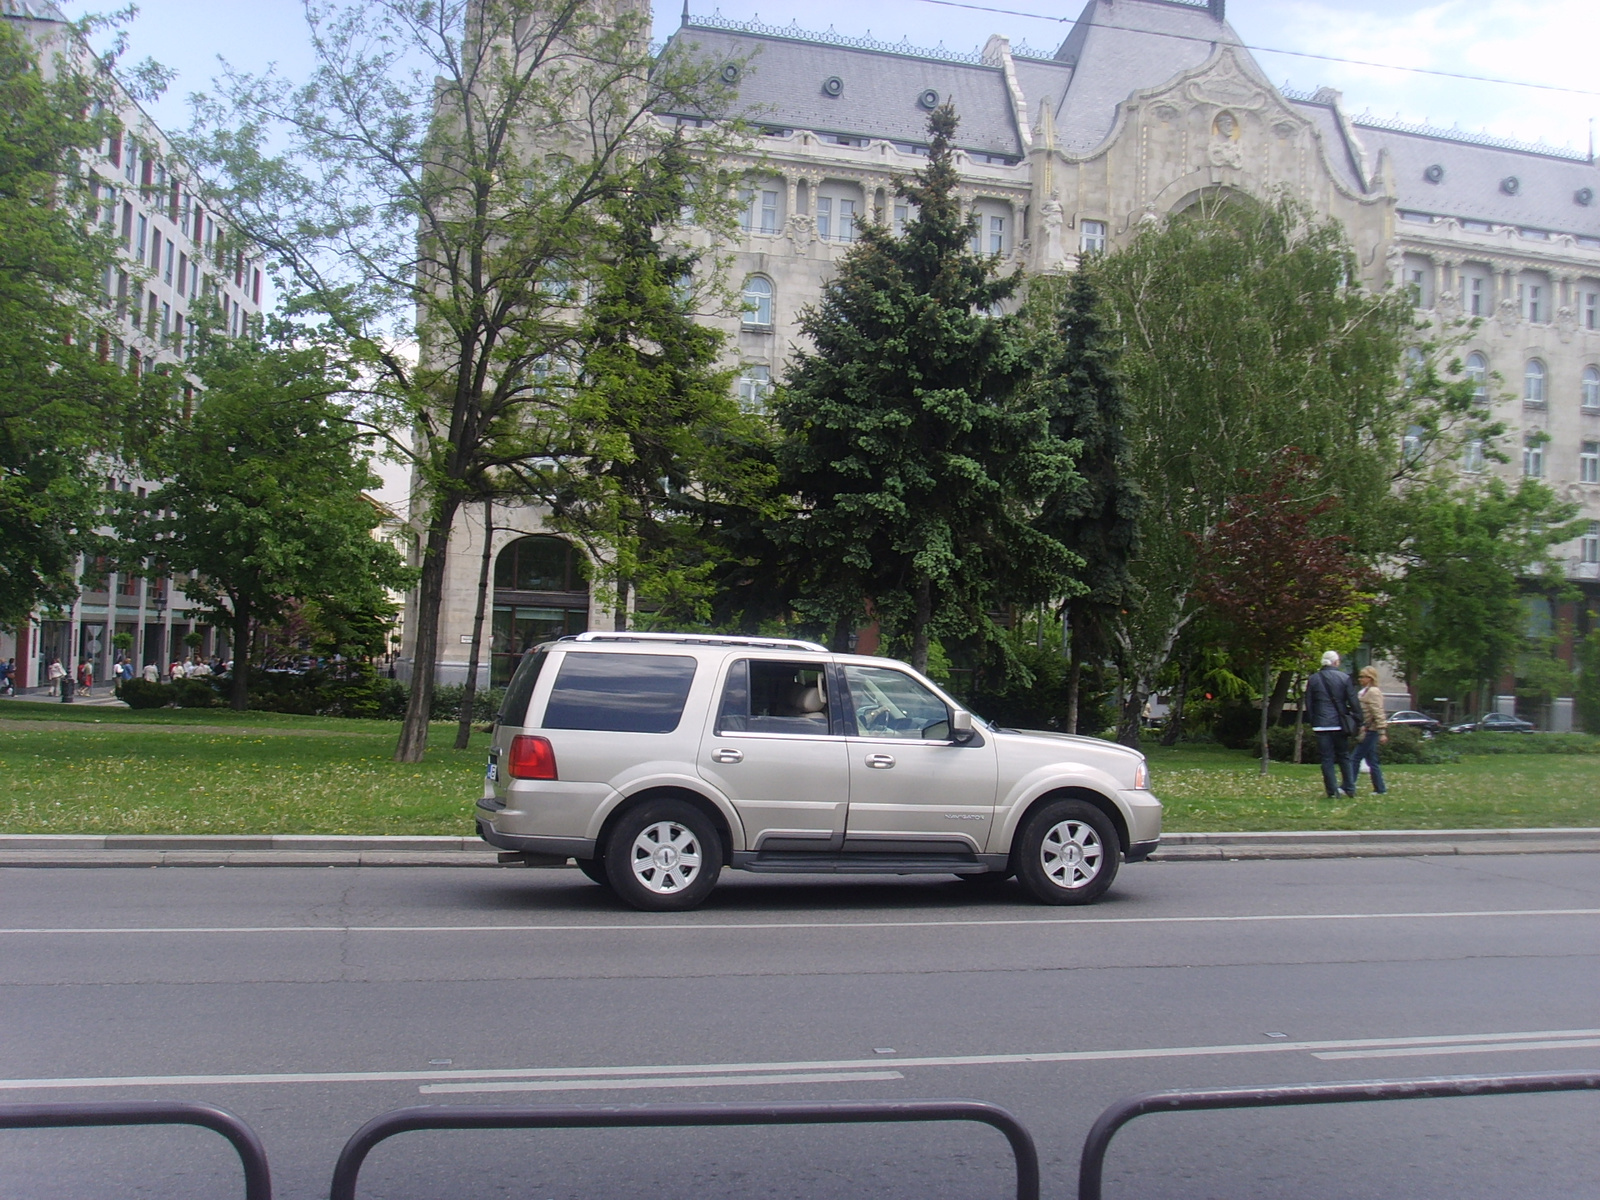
(620, 693)
(762, 696)
(888, 703)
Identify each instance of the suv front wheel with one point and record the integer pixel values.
(663, 856)
(1067, 853)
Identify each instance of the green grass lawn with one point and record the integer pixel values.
(85, 769)
(1209, 788)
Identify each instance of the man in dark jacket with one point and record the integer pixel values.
(1335, 712)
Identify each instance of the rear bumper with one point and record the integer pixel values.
(1139, 851)
(572, 847)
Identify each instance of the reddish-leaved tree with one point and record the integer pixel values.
(1268, 578)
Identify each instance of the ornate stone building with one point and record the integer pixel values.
(1145, 106)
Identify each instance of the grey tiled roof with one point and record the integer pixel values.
(1118, 47)
(1471, 186)
(782, 85)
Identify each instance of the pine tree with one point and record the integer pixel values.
(1098, 519)
(919, 462)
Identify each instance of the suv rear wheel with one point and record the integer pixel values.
(1067, 853)
(663, 856)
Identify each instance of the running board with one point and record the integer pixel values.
(868, 864)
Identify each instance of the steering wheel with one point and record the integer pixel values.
(873, 718)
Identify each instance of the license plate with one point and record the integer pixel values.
(493, 772)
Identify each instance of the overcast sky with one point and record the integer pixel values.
(1540, 41)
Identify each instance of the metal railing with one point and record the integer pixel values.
(1092, 1165)
(257, 1179)
(405, 1120)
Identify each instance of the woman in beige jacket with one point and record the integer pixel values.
(1374, 729)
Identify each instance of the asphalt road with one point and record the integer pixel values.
(307, 1000)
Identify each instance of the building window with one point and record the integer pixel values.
(1589, 463)
(1530, 298)
(836, 218)
(1533, 457)
(1477, 295)
(1412, 445)
(755, 385)
(1590, 546)
(1472, 457)
(997, 235)
(757, 302)
(1418, 277)
(1533, 383)
(143, 228)
(1478, 373)
(1589, 303)
(1092, 237)
(166, 274)
(902, 216)
(1589, 389)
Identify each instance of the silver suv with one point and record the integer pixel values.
(657, 759)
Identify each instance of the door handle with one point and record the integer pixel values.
(727, 755)
(882, 761)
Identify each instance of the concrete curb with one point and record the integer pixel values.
(321, 850)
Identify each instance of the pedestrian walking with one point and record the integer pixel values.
(8, 672)
(1374, 729)
(1335, 718)
(152, 673)
(59, 676)
(86, 677)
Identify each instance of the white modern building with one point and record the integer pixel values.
(175, 253)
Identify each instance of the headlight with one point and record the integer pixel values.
(1141, 776)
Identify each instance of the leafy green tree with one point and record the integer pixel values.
(1587, 692)
(262, 500)
(61, 407)
(1453, 611)
(441, 189)
(1242, 334)
(920, 463)
(1098, 517)
(652, 442)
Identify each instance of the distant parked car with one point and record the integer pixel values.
(1419, 721)
(1495, 723)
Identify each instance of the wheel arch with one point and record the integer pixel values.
(717, 817)
(1104, 803)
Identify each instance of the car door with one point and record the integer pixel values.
(776, 750)
(912, 789)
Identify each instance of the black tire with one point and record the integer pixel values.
(1067, 852)
(663, 882)
(595, 869)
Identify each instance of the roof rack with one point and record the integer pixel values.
(697, 639)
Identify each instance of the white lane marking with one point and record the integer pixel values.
(1481, 1048)
(698, 1081)
(740, 925)
(856, 1064)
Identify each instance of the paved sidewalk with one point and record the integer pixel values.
(313, 850)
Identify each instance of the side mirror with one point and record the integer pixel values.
(961, 729)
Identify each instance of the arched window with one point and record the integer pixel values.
(1478, 372)
(1590, 388)
(757, 302)
(539, 564)
(1533, 382)
(553, 569)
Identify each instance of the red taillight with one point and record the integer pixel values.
(532, 757)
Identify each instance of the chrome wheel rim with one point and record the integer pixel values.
(666, 857)
(1071, 854)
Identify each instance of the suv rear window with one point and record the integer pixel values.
(620, 693)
